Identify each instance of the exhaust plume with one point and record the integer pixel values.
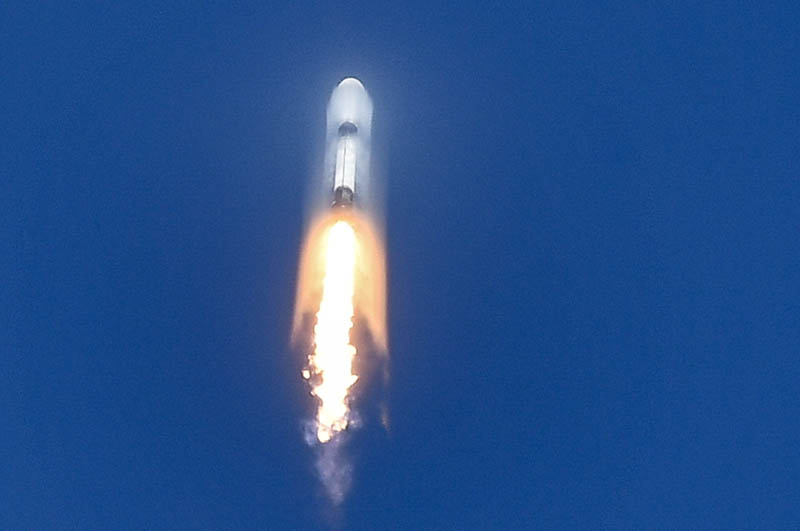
(341, 300)
(331, 365)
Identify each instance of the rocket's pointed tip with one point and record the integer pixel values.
(348, 81)
(350, 102)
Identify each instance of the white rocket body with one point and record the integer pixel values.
(348, 142)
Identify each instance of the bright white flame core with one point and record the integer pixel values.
(332, 361)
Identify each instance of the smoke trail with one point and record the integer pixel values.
(333, 467)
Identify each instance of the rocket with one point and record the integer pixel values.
(348, 143)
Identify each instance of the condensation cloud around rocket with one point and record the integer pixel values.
(340, 312)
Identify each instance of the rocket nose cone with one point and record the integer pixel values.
(350, 103)
(350, 88)
(351, 82)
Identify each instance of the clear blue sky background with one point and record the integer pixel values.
(593, 248)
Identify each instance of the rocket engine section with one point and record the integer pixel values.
(344, 176)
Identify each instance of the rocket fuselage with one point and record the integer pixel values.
(349, 120)
(344, 173)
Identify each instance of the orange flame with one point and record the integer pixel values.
(332, 360)
(341, 272)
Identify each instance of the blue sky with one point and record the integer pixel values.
(593, 264)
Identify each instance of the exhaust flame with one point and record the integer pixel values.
(341, 304)
(332, 360)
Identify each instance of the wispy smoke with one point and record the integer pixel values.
(334, 469)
